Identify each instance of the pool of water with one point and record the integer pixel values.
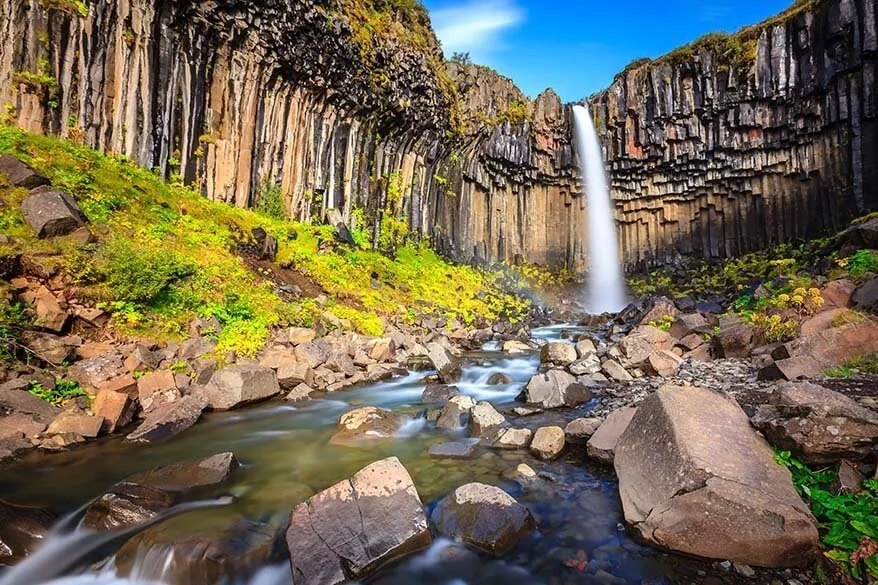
(286, 457)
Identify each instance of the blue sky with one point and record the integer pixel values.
(577, 46)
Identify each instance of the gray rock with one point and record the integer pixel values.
(21, 174)
(580, 430)
(484, 517)
(455, 414)
(51, 213)
(602, 445)
(556, 389)
(445, 364)
(357, 526)
(453, 450)
(559, 353)
(866, 296)
(169, 419)
(240, 385)
(548, 442)
(483, 417)
(439, 394)
(366, 424)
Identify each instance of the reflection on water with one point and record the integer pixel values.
(286, 457)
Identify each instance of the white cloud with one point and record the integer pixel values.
(476, 26)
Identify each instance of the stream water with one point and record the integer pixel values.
(286, 457)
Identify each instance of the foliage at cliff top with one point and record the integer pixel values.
(165, 255)
(736, 50)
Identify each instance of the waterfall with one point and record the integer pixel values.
(606, 285)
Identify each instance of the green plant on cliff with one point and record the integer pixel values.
(848, 522)
(270, 200)
(41, 83)
(70, 7)
(393, 228)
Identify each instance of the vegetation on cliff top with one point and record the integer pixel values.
(165, 255)
(737, 50)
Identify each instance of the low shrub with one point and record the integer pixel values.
(63, 391)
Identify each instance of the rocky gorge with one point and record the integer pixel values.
(229, 356)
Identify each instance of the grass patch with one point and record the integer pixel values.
(867, 364)
(63, 391)
(848, 523)
(166, 255)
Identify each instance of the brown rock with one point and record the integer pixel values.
(300, 392)
(300, 335)
(508, 438)
(115, 408)
(455, 414)
(445, 364)
(641, 343)
(189, 474)
(81, 424)
(662, 363)
(737, 340)
(695, 478)
(602, 445)
(556, 389)
(439, 394)
(91, 373)
(157, 388)
(614, 370)
(49, 347)
(49, 314)
(383, 349)
(355, 527)
(837, 294)
(689, 324)
(548, 442)
(484, 517)
(791, 369)
(93, 349)
(22, 529)
(818, 425)
(126, 504)
(660, 307)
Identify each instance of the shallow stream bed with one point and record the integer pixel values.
(286, 456)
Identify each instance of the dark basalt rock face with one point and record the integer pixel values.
(716, 158)
(707, 158)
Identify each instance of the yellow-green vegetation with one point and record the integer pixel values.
(71, 7)
(737, 49)
(166, 255)
(664, 323)
(861, 265)
(848, 522)
(847, 317)
(534, 276)
(41, 82)
(781, 314)
(867, 364)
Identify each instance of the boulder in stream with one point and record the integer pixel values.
(602, 444)
(355, 527)
(555, 389)
(21, 530)
(484, 517)
(240, 385)
(694, 477)
(445, 364)
(366, 424)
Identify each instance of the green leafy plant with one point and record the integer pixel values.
(270, 201)
(63, 391)
(140, 274)
(848, 522)
(862, 263)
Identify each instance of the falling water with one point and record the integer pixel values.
(606, 286)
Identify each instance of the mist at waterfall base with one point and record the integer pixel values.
(605, 292)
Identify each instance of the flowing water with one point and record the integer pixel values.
(606, 284)
(286, 457)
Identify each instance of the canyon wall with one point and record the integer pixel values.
(233, 96)
(726, 146)
(734, 144)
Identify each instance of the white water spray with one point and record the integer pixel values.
(606, 286)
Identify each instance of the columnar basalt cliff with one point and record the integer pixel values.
(292, 93)
(729, 145)
(738, 143)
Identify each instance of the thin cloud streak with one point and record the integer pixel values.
(476, 26)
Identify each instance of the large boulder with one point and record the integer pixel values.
(694, 477)
(559, 353)
(355, 527)
(736, 340)
(366, 424)
(657, 309)
(439, 394)
(240, 385)
(445, 364)
(189, 474)
(556, 389)
(87, 425)
(865, 298)
(638, 345)
(484, 517)
(169, 419)
(21, 530)
(602, 444)
(818, 425)
(51, 212)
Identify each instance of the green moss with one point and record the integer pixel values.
(867, 364)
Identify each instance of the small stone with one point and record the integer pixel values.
(453, 450)
(580, 430)
(482, 417)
